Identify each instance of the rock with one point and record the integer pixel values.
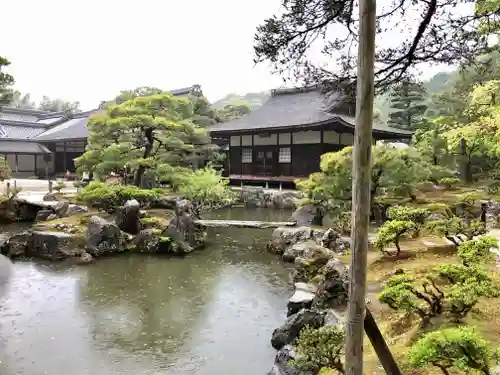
(333, 240)
(310, 264)
(281, 364)
(52, 217)
(301, 299)
(151, 241)
(260, 197)
(16, 245)
(75, 209)
(61, 208)
(85, 258)
(43, 215)
(185, 234)
(128, 217)
(308, 215)
(289, 331)
(53, 246)
(103, 237)
(333, 290)
(307, 249)
(165, 202)
(284, 237)
(50, 197)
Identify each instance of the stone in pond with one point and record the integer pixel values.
(301, 299)
(289, 331)
(43, 215)
(285, 237)
(53, 246)
(128, 217)
(308, 215)
(103, 237)
(61, 209)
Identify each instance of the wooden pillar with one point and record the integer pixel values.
(35, 165)
(17, 164)
(361, 189)
(65, 162)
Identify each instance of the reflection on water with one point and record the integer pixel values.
(211, 312)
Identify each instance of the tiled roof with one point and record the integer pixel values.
(290, 108)
(19, 131)
(22, 147)
(76, 126)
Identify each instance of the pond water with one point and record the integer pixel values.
(209, 313)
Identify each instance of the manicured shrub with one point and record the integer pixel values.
(405, 213)
(477, 251)
(448, 182)
(108, 197)
(58, 186)
(460, 348)
(392, 232)
(5, 171)
(319, 348)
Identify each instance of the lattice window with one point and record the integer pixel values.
(246, 155)
(285, 155)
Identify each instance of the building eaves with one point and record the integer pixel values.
(22, 147)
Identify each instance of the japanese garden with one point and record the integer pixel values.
(177, 235)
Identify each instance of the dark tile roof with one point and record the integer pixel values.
(19, 131)
(22, 147)
(76, 125)
(288, 108)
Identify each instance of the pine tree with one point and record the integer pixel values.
(407, 106)
(6, 81)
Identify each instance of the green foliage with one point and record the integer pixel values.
(58, 186)
(108, 197)
(322, 347)
(206, 189)
(477, 251)
(432, 145)
(458, 348)
(147, 134)
(453, 226)
(233, 112)
(492, 187)
(5, 171)
(392, 232)
(405, 213)
(451, 288)
(6, 81)
(18, 100)
(408, 106)
(395, 171)
(467, 199)
(252, 100)
(448, 182)
(152, 222)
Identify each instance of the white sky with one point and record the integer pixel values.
(89, 50)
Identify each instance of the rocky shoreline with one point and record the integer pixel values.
(320, 284)
(92, 236)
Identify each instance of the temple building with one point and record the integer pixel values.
(45, 144)
(284, 139)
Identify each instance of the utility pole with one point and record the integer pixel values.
(361, 188)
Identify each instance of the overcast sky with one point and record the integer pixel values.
(89, 50)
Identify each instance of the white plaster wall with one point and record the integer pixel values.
(331, 137)
(246, 140)
(258, 140)
(285, 138)
(26, 162)
(307, 137)
(347, 139)
(235, 140)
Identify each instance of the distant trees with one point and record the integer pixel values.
(407, 106)
(58, 105)
(6, 81)
(19, 100)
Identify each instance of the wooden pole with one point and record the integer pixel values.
(361, 188)
(383, 353)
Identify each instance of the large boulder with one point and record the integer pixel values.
(309, 265)
(308, 215)
(15, 245)
(334, 241)
(61, 208)
(302, 298)
(285, 237)
(153, 242)
(165, 202)
(128, 217)
(55, 246)
(289, 331)
(333, 290)
(103, 237)
(75, 209)
(43, 215)
(185, 234)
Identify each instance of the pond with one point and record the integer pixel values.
(209, 313)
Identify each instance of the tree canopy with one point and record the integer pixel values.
(444, 33)
(151, 134)
(6, 81)
(408, 107)
(58, 105)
